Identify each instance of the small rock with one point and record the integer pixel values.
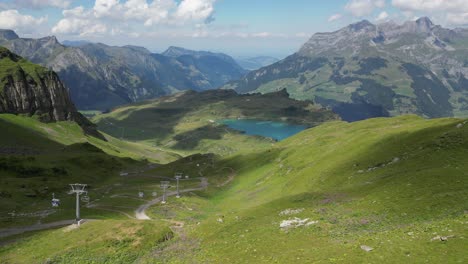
(311, 223)
(220, 220)
(410, 234)
(460, 125)
(296, 222)
(291, 211)
(441, 238)
(366, 248)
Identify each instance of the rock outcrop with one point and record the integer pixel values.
(27, 88)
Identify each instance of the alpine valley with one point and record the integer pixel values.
(352, 150)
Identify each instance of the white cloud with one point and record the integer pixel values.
(432, 5)
(152, 14)
(334, 17)
(195, 10)
(382, 16)
(38, 4)
(262, 35)
(361, 8)
(78, 26)
(302, 35)
(12, 19)
(457, 18)
(79, 21)
(107, 8)
(155, 11)
(453, 12)
(111, 15)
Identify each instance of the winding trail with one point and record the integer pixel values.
(230, 178)
(140, 213)
(20, 230)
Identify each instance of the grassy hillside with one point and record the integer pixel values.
(11, 64)
(391, 184)
(38, 159)
(187, 122)
(394, 186)
(108, 241)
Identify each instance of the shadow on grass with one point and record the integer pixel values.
(190, 139)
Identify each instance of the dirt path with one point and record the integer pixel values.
(140, 213)
(20, 230)
(111, 210)
(230, 177)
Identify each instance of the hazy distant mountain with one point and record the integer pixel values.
(254, 63)
(75, 43)
(101, 76)
(219, 68)
(366, 70)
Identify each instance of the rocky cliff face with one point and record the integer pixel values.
(26, 88)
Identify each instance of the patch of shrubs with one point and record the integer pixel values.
(19, 167)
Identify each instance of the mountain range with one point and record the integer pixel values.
(366, 70)
(101, 76)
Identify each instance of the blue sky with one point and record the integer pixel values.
(237, 27)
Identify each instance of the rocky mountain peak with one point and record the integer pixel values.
(424, 22)
(50, 40)
(174, 51)
(137, 48)
(421, 25)
(8, 34)
(363, 25)
(387, 25)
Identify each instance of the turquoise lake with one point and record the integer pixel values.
(275, 130)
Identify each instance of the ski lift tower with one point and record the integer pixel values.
(78, 189)
(164, 186)
(178, 176)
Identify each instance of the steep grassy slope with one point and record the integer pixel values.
(38, 159)
(187, 122)
(390, 184)
(10, 64)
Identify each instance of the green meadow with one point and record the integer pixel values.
(388, 190)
